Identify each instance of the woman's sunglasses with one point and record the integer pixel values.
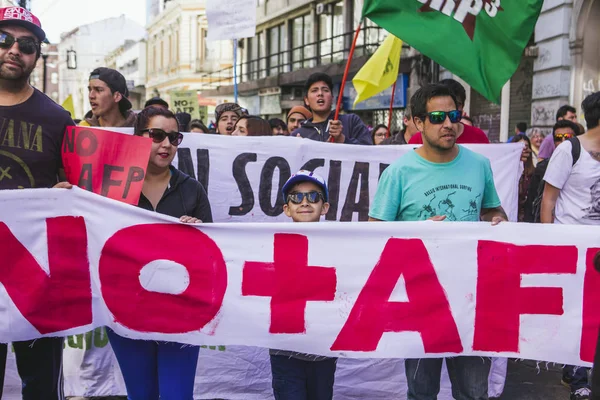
(312, 197)
(438, 117)
(27, 45)
(158, 136)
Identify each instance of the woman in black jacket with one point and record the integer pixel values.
(152, 369)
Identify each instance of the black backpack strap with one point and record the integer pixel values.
(575, 149)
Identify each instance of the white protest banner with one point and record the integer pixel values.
(82, 261)
(231, 19)
(244, 175)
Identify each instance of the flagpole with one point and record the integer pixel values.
(389, 132)
(343, 84)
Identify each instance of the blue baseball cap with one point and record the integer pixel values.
(305, 176)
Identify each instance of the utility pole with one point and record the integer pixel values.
(45, 74)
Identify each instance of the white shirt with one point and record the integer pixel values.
(579, 199)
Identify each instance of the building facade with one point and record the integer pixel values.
(567, 68)
(295, 38)
(45, 76)
(130, 60)
(80, 52)
(178, 55)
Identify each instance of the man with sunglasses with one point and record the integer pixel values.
(572, 196)
(31, 133)
(440, 181)
(466, 133)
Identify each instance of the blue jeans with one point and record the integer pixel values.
(468, 375)
(295, 379)
(154, 370)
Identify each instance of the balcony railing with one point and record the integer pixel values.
(326, 51)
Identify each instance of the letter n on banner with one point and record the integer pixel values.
(427, 311)
(500, 298)
(51, 302)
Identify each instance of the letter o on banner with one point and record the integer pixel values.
(130, 249)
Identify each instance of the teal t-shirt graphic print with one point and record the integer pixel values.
(414, 189)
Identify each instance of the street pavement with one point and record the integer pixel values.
(525, 381)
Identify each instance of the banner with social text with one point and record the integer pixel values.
(361, 290)
(244, 175)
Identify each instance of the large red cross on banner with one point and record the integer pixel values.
(290, 283)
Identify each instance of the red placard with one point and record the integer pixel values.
(108, 163)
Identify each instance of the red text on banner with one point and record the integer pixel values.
(130, 249)
(59, 300)
(500, 298)
(290, 283)
(427, 311)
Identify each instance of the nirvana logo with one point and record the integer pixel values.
(464, 11)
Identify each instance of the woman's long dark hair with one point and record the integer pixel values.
(143, 118)
(256, 126)
(529, 168)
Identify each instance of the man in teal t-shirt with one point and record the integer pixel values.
(440, 181)
(415, 189)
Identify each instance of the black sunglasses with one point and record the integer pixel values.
(158, 135)
(438, 117)
(27, 45)
(312, 197)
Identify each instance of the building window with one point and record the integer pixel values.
(331, 33)
(54, 78)
(258, 56)
(278, 59)
(303, 48)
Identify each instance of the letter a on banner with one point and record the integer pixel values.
(373, 314)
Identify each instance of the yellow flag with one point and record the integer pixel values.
(68, 105)
(380, 72)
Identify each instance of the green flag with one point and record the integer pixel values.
(481, 41)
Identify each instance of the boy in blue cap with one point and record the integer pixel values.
(298, 376)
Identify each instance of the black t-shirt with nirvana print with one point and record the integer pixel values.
(31, 135)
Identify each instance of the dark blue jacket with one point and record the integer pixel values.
(355, 131)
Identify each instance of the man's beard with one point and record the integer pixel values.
(17, 75)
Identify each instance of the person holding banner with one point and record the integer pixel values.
(165, 370)
(440, 181)
(572, 197)
(318, 97)
(107, 92)
(30, 157)
(299, 376)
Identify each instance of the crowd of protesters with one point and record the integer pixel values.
(560, 184)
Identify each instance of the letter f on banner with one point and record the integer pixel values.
(427, 311)
(500, 298)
